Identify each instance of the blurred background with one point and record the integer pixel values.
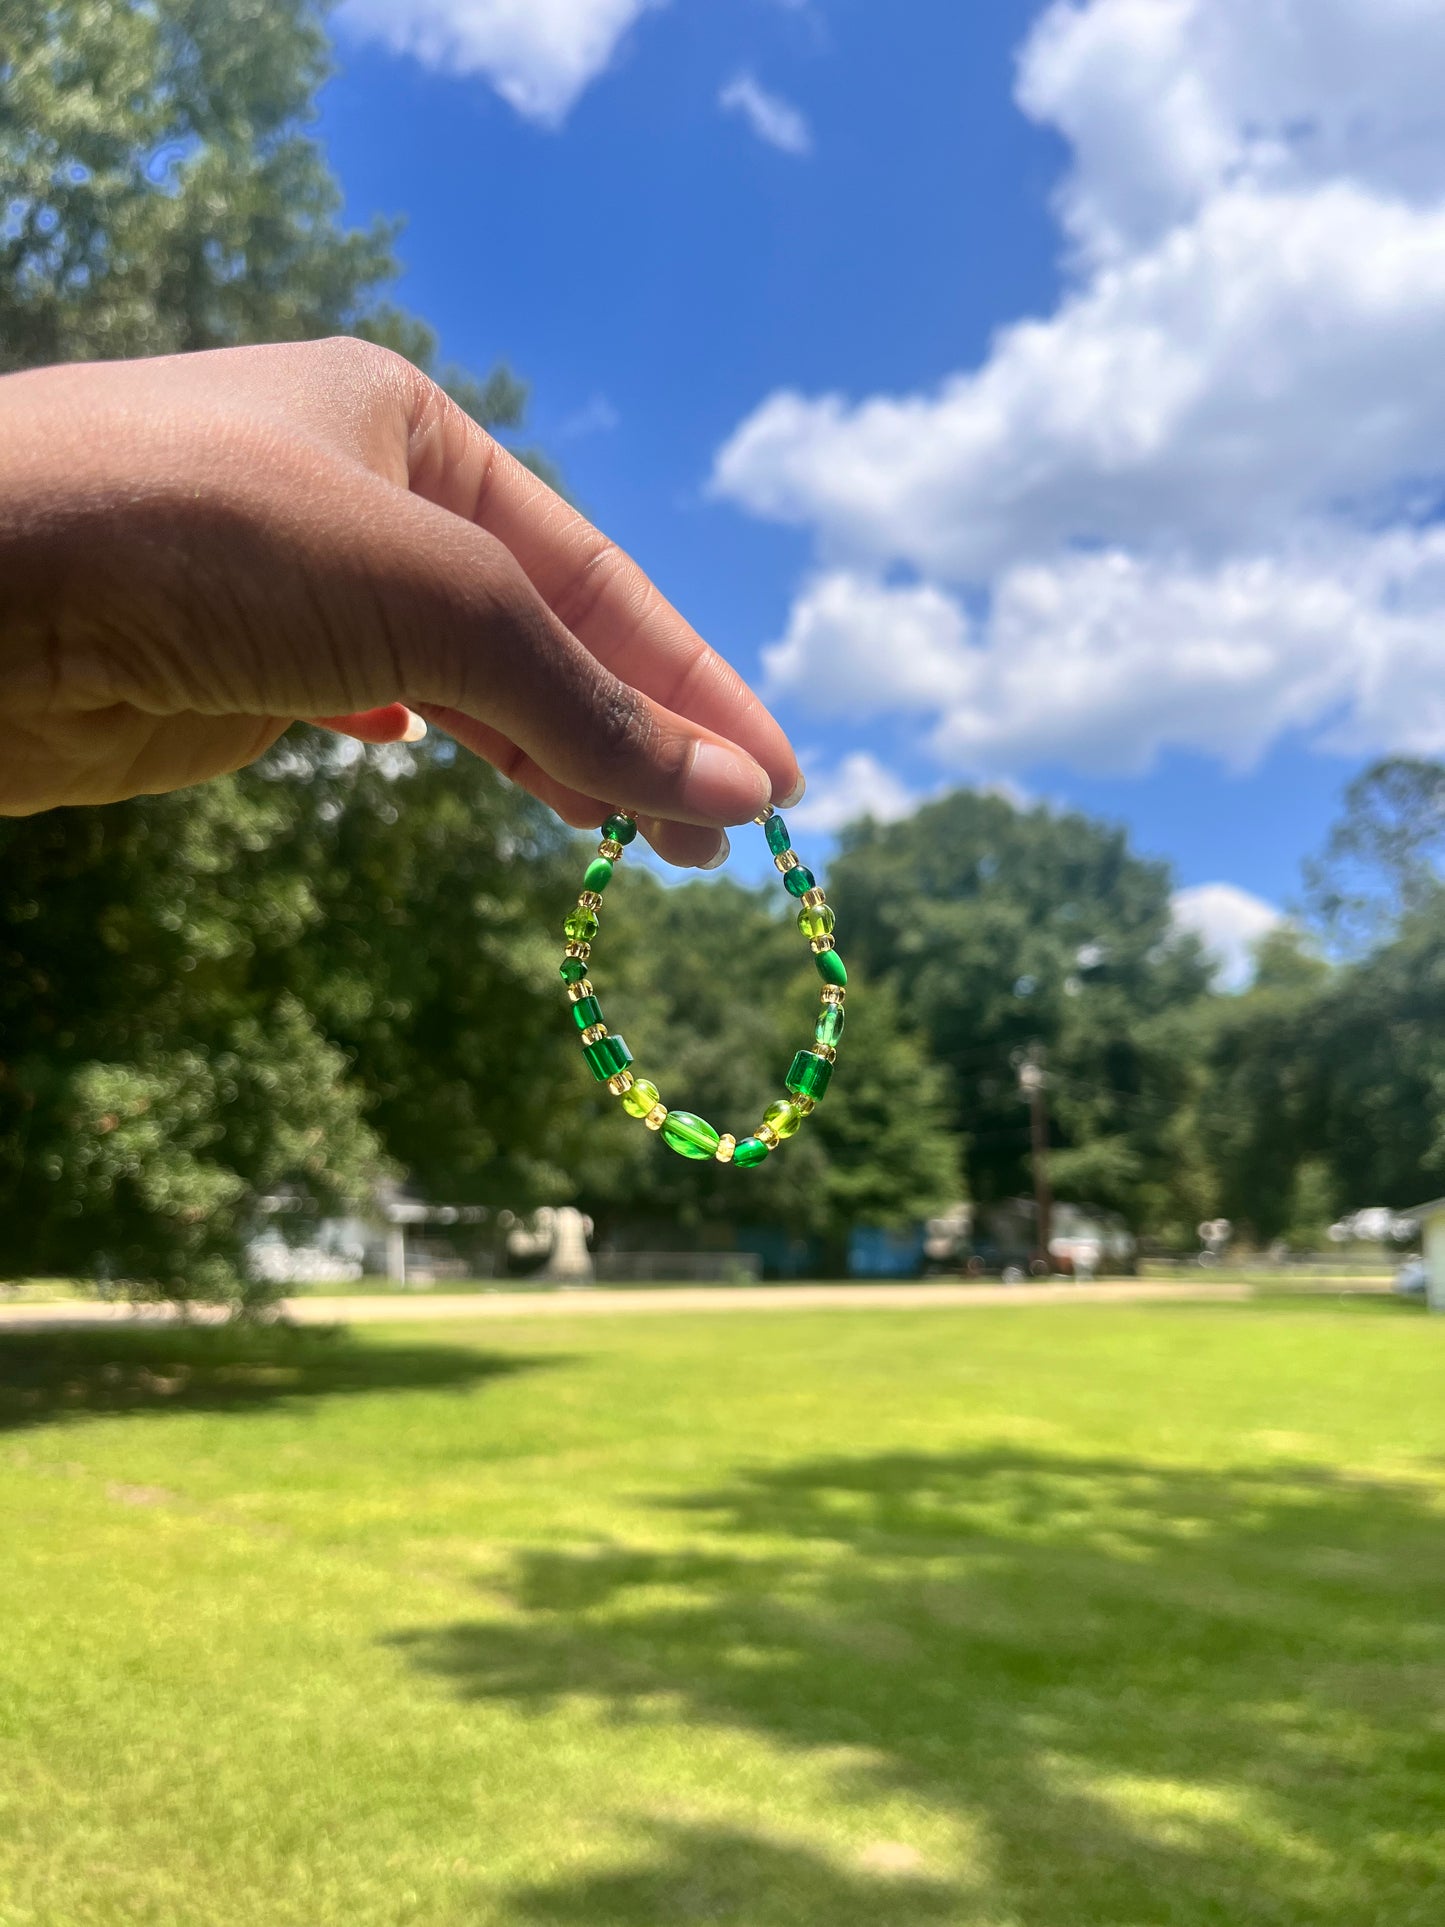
(1042, 404)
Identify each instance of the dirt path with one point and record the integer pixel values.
(608, 1301)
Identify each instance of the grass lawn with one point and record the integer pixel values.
(1130, 1617)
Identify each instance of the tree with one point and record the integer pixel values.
(1385, 857)
(1001, 930)
(172, 1051)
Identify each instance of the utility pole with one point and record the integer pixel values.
(1033, 1082)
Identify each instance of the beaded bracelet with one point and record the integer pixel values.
(609, 1058)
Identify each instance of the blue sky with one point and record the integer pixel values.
(1157, 554)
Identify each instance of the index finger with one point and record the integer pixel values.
(594, 588)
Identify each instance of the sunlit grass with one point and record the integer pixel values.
(1083, 1618)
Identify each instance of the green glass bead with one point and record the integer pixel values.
(607, 1057)
(641, 1098)
(586, 1012)
(818, 922)
(829, 1027)
(776, 831)
(799, 882)
(598, 874)
(580, 927)
(572, 970)
(619, 829)
(750, 1151)
(831, 967)
(689, 1136)
(783, 1117)
(809, 1075)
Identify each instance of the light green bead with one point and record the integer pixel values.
(783, 1117)
(829, 1027)
(689, 1136)
(818, 922)
(641, 1098)
(581, 926)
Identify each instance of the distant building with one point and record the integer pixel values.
(1431, 1219)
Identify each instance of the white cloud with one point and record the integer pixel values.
(596, 417)
(860, 786)
(773, 119)
(539, 54)
(1229, 922)
(1195, 505)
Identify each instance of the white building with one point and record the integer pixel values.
(1432, 1227)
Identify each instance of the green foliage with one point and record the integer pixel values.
(1384, 857)
(1004, 929)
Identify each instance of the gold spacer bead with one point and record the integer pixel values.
(820, 943)
(768, 1135)
(611, 850)
(814, 899)
(764, 813)
(833, 994)
(726, 1145)
(581, 951)
(589, 900)
(623, 1081)
(787, 861)
(827, 1052)
(806, 1105)
(576, 992)
(656, 1117)
(594, 1033)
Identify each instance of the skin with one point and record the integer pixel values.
(196, 551)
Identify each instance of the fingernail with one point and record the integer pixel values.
(415, 727)
(794, 795)
(724, 851)
(724, 783)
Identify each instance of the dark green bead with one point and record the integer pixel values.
(810, 1075)
(607, 1057)
(619, 829)
(829, 1027)
(572, 970)
(799, 882)
(586, 1012)
(776, 831)
(598, 874)
(830, 967)
(750, 1151)
(689, 1136)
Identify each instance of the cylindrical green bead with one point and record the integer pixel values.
(809, 1075)
(607, 1057)
(586, 1012)
(783, 1117)
(572, 970)
(776, 831)
(641, 1098)
(619, 829)
(689, 1136)
(581, 926)
(831, 967)
(750, 1151)
(829, 1027)
(598, 874)
(799, 882)
(817, 922)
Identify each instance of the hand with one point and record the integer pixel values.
(195, 551)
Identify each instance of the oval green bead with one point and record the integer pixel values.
(580, 927)
(689, 1136)
(598, 874)
(586, 1012)
(572, 970)
(782, 1117)
(776, 831)
(640, 1098)
(799, 882)
(829, 1027)
(818, 922)
(619, 829)
(830, 967)
(750, 1151)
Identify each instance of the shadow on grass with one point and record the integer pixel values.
(47, 1377)
(1152, 1695)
